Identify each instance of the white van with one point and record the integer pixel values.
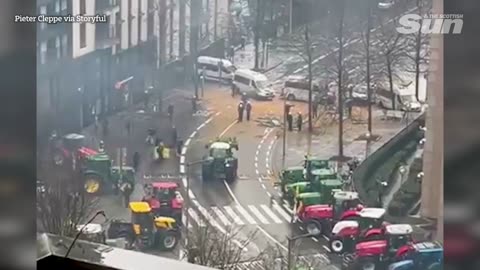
(253, 84)
(296, 88)
(210, 67)
(403, 97)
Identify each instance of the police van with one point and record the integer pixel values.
(253, 84)
(402, 98)
(297, 88)
(210, 67)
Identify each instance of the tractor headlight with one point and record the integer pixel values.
(228, 165)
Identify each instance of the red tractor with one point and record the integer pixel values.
(395, 255)
(70, 147)
(346, 234)
(321, 218)
(165, 200)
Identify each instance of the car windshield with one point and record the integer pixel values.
(218, 153)
(261, 84)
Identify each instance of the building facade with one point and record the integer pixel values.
(432, 184)
(80, 65)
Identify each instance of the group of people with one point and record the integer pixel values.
(299, 121)
(244, 105)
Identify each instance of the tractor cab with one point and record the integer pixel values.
(92, 232)
(323, 174)
(327, 187)
(220, 162)
(304, 200)
(294, 189)
(125, 174)
(424, 255)
(66, 146)
(344, 201)
(397, 236)
(291, 175)
(370, 218)
(165, 200)
(318, 167)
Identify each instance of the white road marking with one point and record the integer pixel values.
(271, 214)
(184, 149)
(269, 194)
(221, 216)
(233, 215)
(282, 212)
(326, 248)
(257, 213)
(182, 159)
(263, 186)
(245, 214)
(227, 128)
(195, 217)
(256, 170)
(184, 181)
(314, 239)
(182, 169)
(326, 237)
(193, 134)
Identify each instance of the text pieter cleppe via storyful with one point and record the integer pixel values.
(61, 19)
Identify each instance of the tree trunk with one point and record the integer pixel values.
(340, 77)
(181, 28)
(171, 15)
(390, 81)
(162, 17)
(257, 34)
(369, 90)
(310, 78)
(418, 48)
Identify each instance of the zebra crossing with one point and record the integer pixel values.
(237, 215)
(314, 261)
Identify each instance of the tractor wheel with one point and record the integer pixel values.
(336, 245)
(92, 184)
(230, 175)
(313, 227)
(368, 264)
(168, 240)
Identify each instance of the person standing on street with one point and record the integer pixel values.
(128, 126)
(127, 191)
(240, 111)
(244, 97)
(170, 113)
(194, 104)
(232, 53)
(101, 147)
(233, 90)
(136, 160)
(248, 108)
(242, 43)
(290, 121)
(299, 121)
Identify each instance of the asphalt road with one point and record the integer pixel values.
(247, 202)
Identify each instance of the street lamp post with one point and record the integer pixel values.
(380, 186)
(403, 172)
(286, 110)
(290, 15)
(290, 241)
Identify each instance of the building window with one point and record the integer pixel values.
(57, 6)
(57, 46)
(43, 11)
(64, 45)
(64, 4)
(43, 52)
(83, 7)
(83, 35)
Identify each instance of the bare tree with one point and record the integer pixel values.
(419, 42)
(392, 48)
(210, 247)
(62, 205)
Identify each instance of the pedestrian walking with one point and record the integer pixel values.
(170, 113)
(240, 111)
(194, 104)
(248, 108)
(242, 43)
(105, 126)
(179, 147)
(315, 109)
(101, 147)
(127, 190)
(299, 121)
(128, 126)
(234, 90)
(136, 160)
(232, 53)
(290, 121)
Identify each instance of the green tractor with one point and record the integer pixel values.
(101, 177)
(321, 180)
(220, 163)
(302, 173)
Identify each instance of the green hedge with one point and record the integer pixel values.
(383, 162)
